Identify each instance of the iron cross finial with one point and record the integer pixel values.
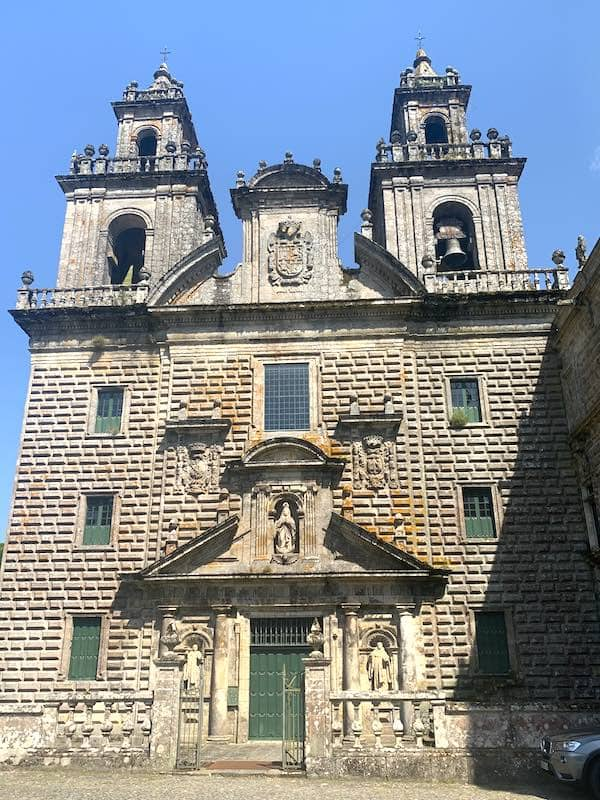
(164, 53)
(420, 39)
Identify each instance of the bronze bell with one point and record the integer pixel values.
(455, 256)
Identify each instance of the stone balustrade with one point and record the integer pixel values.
(384, 720)
(82, 297)
(414, 151)
(183, 161)
(101, 722)
(487, 281)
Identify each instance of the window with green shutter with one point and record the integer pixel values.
(98, 519)
(109, 411)
(85, 646)
(465, 398)
(479, 512)
(492, 642)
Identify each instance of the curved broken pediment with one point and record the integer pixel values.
(176, 285)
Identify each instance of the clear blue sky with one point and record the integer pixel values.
(263, 77)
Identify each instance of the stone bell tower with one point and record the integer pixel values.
(443, 200)
(135, 216)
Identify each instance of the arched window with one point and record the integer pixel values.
(126, 247)
(454, 232)
(146, 144)
(436, 131)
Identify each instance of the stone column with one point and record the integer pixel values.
(168, 616)
(407, 662)
(317, 739)
(351, 660)
(219, 679)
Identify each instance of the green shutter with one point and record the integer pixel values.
(492, 644)
(465, 398)
(98, 519)
(85, 647)
(109, 411)
(479, 513)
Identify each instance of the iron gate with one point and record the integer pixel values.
(189, 732)
(292, 740)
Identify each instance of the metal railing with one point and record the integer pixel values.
(488, 281)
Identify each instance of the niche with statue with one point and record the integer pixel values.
(287, 521)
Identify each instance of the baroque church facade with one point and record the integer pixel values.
(334, 507)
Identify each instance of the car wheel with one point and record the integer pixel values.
(593, 779)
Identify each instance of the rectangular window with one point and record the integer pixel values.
(479, 512)
(109, 411)
(98, 519)
(85, 647)
(287, 401)
(492, 642)
(465, 398)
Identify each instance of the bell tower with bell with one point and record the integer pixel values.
(444, 200)
(134, 215)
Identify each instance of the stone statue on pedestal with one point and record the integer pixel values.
(379, 668)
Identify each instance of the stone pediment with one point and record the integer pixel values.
(380, 269)
(178, 284)
(347, 550)
(287, 454)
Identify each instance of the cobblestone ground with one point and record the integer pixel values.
(50, 784)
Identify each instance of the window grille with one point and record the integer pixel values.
(479, 512)
(85, 647)
(492, 642)
(287, 405)
(280, 632)
(109, 411)
(465, 398)
(98, 519)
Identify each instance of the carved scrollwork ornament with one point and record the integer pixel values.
(374, 463)
(290, 258)
(198, 467)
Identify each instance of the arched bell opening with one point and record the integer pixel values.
(436, 131)
(454, 233)
(147, 143)
(126, 249)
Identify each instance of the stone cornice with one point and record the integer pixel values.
(431, 315)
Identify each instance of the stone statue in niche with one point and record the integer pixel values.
(198, 467)
(379, 668)
(374, 463)
(191, 668)
(289, 258)
(286, 531)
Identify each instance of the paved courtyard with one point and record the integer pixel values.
(50, 784)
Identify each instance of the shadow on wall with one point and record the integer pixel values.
(534, 627)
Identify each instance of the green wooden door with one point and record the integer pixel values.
(266, 688)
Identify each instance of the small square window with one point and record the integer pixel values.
(109, 411)
(287, 399)
(492, 643)
(98, 519)
(479, 512)
(465, 397)
(85, 648)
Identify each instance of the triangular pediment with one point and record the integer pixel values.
(347, 550)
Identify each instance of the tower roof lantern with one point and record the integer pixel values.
(422, 65)
(163, 87)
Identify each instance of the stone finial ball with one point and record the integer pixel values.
(475, 135)
(412, 136)
(262, 164)
(170, 147)
(317, 163)
(395, 137)
(558, 257)
(428, 261)
(366, 215)
(27, 277)
(103, 150)
(492, 134)
(89, 150)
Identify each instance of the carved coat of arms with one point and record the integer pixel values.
(289, 255)
(198, 468)
(374, 463)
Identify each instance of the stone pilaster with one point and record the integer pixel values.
(217, 724)
(317, 688)
(407, 662)
(351, 659)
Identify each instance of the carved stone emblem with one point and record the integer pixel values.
(198, 467)
(289, 255)
(374, 463)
